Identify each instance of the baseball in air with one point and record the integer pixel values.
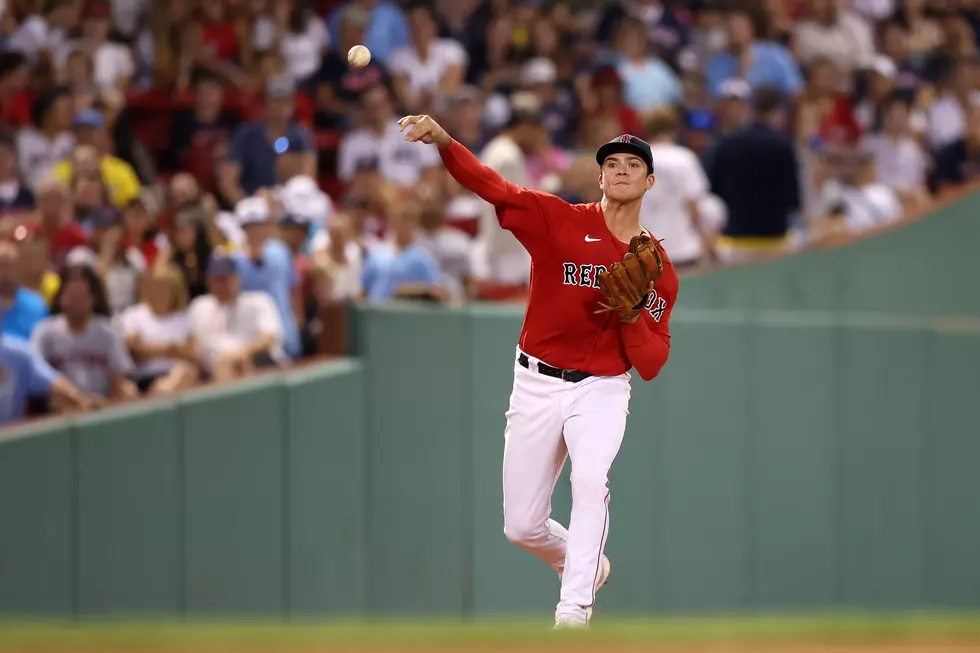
(359, 56)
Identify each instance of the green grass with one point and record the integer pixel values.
(857, 627)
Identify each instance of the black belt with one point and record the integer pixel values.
(572, 376)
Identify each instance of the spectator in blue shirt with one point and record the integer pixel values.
(25, 374)
(22, 308)
(251, 163)
(401, 267)
(759, 63)
(387, 28)
(266, 264)
(648, 82)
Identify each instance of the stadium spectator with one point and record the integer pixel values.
(429, 67)
(666, 26)
(265, 264)
(386, 27)
(119, 177)
(119, 267)
(671, 208)
(734, 105)
(34, 264)
(80, 340)
(191, 246)
(401, 266)
(113, 62)
(909, 72)
(337, 264)
(603, 98)
(747, 56)
(755, 173)
(854, 200)
(870, 109)
(451, 248)
(24, 374)
(899, 158)
(49, 138)
(380, 139)
(22, 308)
(648, 82)
(55, 223)
(925, 33)
(957, 93)
(157, 334)
(959, 161)
(199, 135)
(296, 32)
(251, 163)
(834, 33)
(559, 107)
(337, 86)
(15, 102)
(823, 113)
(238, 332)
(464, 116)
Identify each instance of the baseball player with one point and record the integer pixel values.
(602, 290)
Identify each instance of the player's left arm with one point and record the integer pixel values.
(647, 340)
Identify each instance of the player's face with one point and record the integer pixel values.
(624, 178)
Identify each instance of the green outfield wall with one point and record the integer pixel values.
(784, 460)
(928, 267)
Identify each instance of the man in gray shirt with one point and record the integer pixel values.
(80, 340)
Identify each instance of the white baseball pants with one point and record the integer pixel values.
(548, 420)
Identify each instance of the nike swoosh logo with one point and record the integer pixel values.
(592, 240)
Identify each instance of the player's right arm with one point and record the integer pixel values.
(517, 207)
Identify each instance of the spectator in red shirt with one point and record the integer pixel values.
(138, 231)
(604, 97)
(56, 223)
(15, 100)
(824, 116)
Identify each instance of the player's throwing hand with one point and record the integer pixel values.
(426, 130)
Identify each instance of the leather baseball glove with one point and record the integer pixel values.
(625, 285)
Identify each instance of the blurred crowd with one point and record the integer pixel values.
(191, 191)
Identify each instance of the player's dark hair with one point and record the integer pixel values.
(86, 273)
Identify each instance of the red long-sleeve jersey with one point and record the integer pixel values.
(569, 245)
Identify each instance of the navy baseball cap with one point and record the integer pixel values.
(626, 144)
